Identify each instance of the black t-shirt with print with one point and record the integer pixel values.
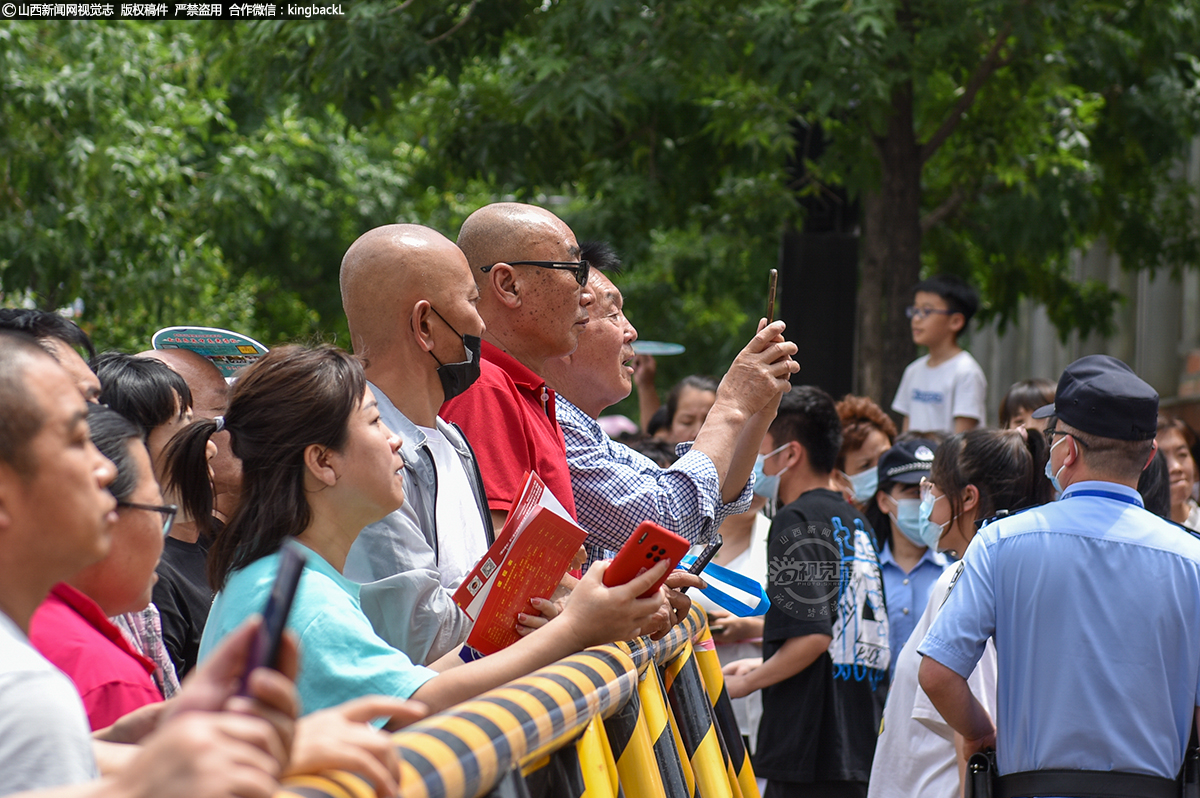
(824, 578)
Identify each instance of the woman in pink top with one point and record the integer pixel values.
(71, 627)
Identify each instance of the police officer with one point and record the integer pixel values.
(1093, 603)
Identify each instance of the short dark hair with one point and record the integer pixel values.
(44, 324)
(148, 392)
(21, 415)
(958, 295)
(1007, 467)
(601, 256)
(1026, 395)
(1118, 459)
(808, 416)
(111, 432)
(293, 397)
(700, 382)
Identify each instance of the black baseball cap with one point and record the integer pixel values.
(1102, 396)
(907, 461)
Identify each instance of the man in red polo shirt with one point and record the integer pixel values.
(533, 299)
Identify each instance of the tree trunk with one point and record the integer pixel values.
(891, 256)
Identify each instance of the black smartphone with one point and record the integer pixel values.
(264, 649)
(705, 557)
(771, 295)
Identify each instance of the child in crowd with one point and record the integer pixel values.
(945, 389)
(1017, 406)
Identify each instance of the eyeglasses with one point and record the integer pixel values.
(168, 512)
(1052, 431)
(580, 269)
(914, 312)
(927, 487)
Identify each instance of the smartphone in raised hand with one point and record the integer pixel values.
(771, 295)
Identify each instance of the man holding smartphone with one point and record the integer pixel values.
(617, 488)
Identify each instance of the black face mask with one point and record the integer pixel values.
(458, 377)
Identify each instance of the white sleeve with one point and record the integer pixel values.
(903, 401)
(44, 736)
(970, 392)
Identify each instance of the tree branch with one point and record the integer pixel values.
(986, 68)
(457, 25)
(399, 8)
(943, 211)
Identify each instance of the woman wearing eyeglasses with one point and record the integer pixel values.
(976, 476)
(71, 627)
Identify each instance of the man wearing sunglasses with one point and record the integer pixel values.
(533, 298)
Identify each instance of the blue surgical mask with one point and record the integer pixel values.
(764, 485)
(908, 519)
(864, 483)
(1053, 475)
(929, 532)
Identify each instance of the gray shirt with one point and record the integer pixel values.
(45, 740)
(396, 559)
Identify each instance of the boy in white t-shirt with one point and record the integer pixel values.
(945, 389)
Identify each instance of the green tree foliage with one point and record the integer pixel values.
(987, 138)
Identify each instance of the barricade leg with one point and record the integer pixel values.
(596, 763)
(633, 750)
(714, 683)
(689, 703)
(677, 773)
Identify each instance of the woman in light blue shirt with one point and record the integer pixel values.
(318, 465)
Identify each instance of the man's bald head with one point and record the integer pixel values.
(210, 392)
(386, 271)
(506, 231)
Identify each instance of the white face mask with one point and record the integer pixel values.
(765, 485)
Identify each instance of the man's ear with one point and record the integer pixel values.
(420, 323)
(503, 282)
(797, 453)
(1153, 451)
(318, 460)
(10, 483)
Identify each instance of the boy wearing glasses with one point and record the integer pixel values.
(945, 389)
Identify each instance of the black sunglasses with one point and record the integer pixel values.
(168, 512)
(580, 269)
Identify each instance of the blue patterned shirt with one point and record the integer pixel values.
(617, 488)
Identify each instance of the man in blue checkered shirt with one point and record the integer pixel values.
(617, 488)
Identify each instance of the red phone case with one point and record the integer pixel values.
(648, 544)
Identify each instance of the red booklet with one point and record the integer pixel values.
(528, 560)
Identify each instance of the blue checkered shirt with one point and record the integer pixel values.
(617, 488)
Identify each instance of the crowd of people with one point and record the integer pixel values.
(937, 587)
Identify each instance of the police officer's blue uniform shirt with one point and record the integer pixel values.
(1094, 604)
(906, 595)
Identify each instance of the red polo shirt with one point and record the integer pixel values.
(508, 417)
(71, 631)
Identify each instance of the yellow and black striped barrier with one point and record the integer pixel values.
(637, 719)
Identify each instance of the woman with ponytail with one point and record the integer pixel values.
(318, 465)
(976, 476)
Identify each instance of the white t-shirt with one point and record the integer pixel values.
(932, 397)
(461, 539)
(45, 740)
(914, 757)
(751, 563)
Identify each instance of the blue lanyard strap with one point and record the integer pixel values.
(1104, 494)
(718, 576)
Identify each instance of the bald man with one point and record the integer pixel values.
(410, 303)
(532, 297)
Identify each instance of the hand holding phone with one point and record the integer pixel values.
(705, 557)
(648, 544)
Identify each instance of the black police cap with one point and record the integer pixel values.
(907, 461)
(1101, 395)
